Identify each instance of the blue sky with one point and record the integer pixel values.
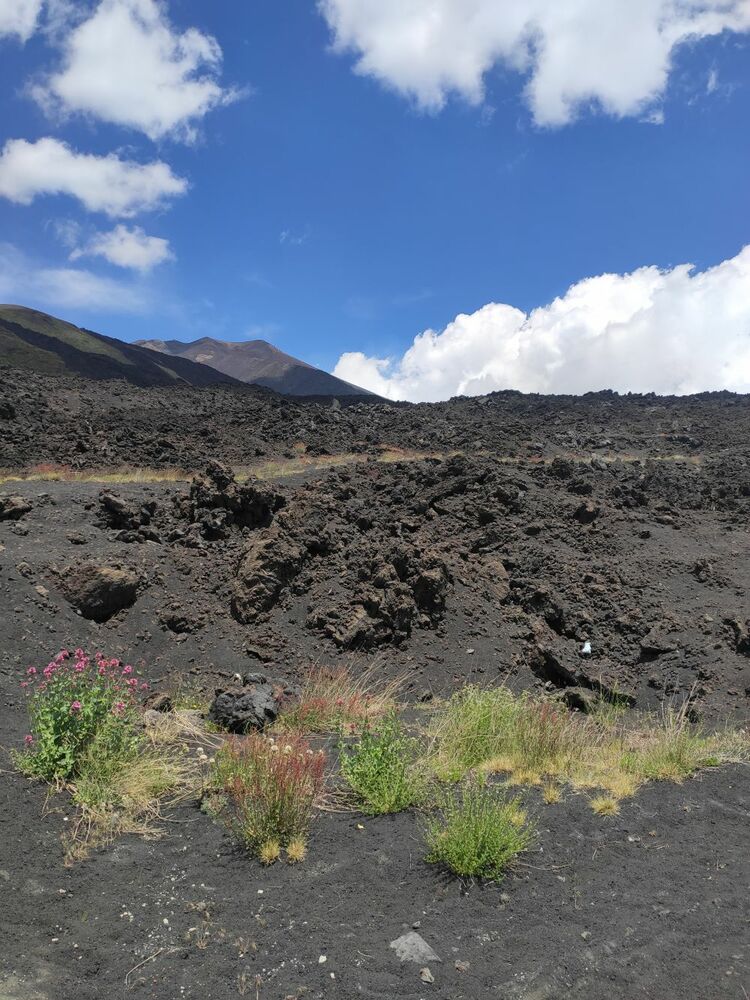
(333, 211)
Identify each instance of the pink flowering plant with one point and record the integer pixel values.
(78, 703)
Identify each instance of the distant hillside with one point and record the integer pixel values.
(260, 363)
(41, 343)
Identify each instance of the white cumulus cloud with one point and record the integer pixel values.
(19, 17)
(572, 53)
(673, 331)
(126, 64)
(126, 247)
(24, 281)
(108, 184)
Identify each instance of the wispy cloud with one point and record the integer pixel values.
(27, 282)
(19, 18)
(108, 184)
(126, 247)
(289, 238)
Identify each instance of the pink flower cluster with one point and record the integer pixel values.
(80, 674)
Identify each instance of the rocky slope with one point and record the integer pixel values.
(589, 548)
(69, 420)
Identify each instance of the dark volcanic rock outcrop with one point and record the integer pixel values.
(251, 705)
(99, 592)
(217, 503)
(13, 508)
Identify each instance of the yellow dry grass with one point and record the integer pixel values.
(534, 742)
(122, 474)
(281, 468)
(605, 805)
(128, 798)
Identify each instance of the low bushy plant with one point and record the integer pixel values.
(477, 831)
(75, 701)
(270, 789)
(87, 735)
(380, 767)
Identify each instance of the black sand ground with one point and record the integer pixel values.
(468, 570)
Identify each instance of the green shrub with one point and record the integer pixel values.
(380, 768)
(75, 702)
(477, 831)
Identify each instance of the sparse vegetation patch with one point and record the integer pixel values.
(87, 737)
(534, 741)
(332, 698)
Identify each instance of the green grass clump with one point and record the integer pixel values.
(477, 831)
(473, 727)
(499, 731)
(381, 768)
(534, 740)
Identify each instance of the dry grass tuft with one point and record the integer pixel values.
(332, 698)
(296, 851)
(551, 793)
(127, 796)
(605, 805)
(270, 852)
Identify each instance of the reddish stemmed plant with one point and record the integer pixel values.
(270, 790)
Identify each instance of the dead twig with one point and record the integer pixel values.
(141, 964)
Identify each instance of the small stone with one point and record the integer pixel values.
(411, 947)
(587, 513)
(159, 701)
(426, 976)
(462, 966)
(323, 959)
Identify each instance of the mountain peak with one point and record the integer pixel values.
(259, 363)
